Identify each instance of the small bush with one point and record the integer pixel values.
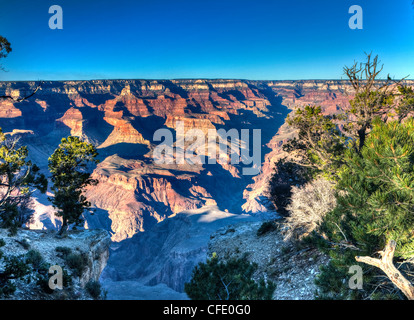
(2, 244)
(77, 262)
(310, 203)
(15, 267)
(43, 281)
(25, 244)
(94, 289)
(266, 227)
(285, 249)
(7, 289)
(63, 251)
(34, 258)
(286, 174)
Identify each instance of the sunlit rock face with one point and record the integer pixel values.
(120, 117)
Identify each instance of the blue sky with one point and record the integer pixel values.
(165, 39)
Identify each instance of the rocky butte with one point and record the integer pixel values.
(160, 216)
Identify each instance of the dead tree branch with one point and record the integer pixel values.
(23, 98)
(387, 266)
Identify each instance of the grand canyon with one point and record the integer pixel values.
(160, 216)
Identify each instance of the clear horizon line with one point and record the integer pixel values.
(180, 79)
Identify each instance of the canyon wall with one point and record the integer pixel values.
(120, 118)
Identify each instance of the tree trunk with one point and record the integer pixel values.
(362, 134)
(63, 227)
(387, 266)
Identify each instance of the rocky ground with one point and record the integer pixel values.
(292, 269)
(93, 244)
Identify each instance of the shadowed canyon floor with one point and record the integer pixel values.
(165, 254)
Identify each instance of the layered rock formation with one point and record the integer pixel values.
(331, 95)
(120, 118)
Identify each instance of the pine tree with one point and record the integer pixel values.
(69, 168)
(228, 280)
(373, 176)
(5, 49)
(19, 178)
(375, 204)
(319, 144)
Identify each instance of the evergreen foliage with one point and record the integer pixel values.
(286, 174)
(373, 98)
(229, 280)
(5, 49)
(370, 162)
(68, 166)
(23, 267)
(94, 288)
(77, 262)
(319, 144)
(376, 205)
(267, 226)
(19, 177)
(406, 103)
